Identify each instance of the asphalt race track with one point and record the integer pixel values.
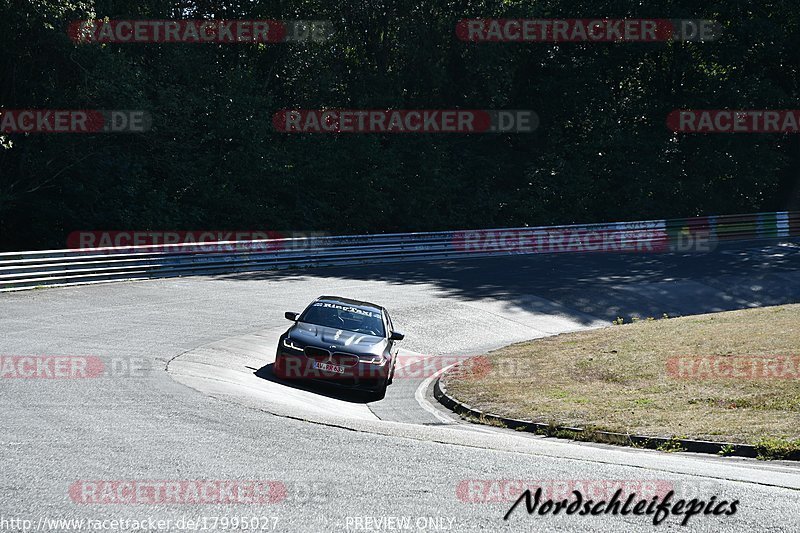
(191, 396)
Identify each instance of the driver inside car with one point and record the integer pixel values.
(360, 323)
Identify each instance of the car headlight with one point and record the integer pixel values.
(287, 342)
(377, 360)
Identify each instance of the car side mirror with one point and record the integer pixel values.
(291, 316)
(396, 336)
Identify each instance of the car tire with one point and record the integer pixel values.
(279, 368)
(380, 392)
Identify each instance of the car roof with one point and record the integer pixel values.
(348, 301)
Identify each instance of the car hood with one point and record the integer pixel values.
(337, 339)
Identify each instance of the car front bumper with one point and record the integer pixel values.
(361, 375)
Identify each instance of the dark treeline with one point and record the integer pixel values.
(212, 159)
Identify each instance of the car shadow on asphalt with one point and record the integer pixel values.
(314, 387)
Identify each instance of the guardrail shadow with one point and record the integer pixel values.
(590, 286)
(315, 387)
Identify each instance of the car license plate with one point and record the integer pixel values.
(329, 367)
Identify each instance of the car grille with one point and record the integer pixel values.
(317, 354)
(324, 356)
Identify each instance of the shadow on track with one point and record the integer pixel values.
(314, 387)
(601, 285)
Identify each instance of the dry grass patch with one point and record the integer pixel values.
(616, 379)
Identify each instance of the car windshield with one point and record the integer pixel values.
(347, 317)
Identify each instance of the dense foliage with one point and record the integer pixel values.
(213, 160)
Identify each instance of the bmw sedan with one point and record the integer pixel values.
(340, 341)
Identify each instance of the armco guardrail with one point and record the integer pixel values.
(24, 270)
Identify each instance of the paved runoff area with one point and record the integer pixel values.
(152, 406)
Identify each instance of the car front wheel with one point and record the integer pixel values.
(279, 368)
(379, 393)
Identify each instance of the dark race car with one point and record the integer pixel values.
(340, 341)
